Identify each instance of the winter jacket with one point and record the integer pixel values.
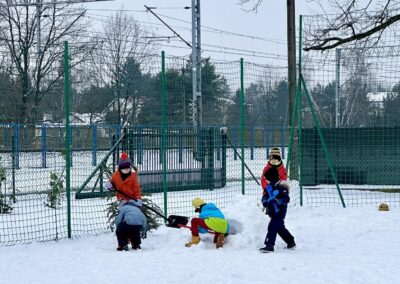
(213, 218)
(130, 186)
(131, 214)
(282, 174)
(275, 199)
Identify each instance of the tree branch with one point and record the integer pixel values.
(332, 42)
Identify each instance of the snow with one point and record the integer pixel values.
(335, 245)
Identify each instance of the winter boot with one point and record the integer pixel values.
(291, 245)
(124, 248)
(220, 241)
(136, 247)
(267, 249)
(195, 241)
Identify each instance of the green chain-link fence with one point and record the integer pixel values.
(143, 106)
(348, 155)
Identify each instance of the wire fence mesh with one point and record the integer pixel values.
(354, 91)
(185, 145)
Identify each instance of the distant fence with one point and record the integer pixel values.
(20, 138)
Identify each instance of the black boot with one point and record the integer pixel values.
(291, 245)
(267, 249)
(124, 248)
(136, 247)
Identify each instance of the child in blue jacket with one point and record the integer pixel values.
(130, 222)
(275, 200)
(210, 218)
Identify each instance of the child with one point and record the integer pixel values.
(125, 179)
(275, 200)
(130, 222)
(275, 160)
(210, 218)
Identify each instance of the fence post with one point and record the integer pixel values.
(180, 142)
(242, 120)
(223, 170)
(16, 145)
(164, 132)
(114, 156)
(94, 144)
(44, 146)
(68, 139)
(13, 168)
(131, 154)
(235, 138)
(140, 145)
(118, 135)
(283, 142)
(252, 143)
(211, 146)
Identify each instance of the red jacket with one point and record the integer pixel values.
(130, 186)
(282, 174)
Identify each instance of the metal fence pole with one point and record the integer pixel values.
(68, 140)
(164, 132)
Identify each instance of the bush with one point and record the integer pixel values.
(5, 207)
(55, 191)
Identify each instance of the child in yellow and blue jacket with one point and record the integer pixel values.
(210, 218)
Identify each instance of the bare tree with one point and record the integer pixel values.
(35, 67)
(354, 102)
(352, 20)
(122, 40)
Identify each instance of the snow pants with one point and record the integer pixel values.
(198, 222)
(127, 232)
(276, 227)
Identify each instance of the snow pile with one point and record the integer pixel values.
(335, 245)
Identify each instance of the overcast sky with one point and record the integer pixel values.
(263, 32)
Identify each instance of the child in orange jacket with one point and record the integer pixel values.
(126, 180)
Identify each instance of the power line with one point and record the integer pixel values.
(178, 35)
(44, 3)
(248, 52)
(207, 28)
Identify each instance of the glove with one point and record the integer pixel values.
(264, 201)
(108, 185)
(266, 211)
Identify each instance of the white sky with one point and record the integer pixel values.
(265, 31)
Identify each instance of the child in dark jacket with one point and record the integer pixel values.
(130, 222)
(275, 200)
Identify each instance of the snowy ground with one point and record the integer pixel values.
(335, 245)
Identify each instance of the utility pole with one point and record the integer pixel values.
(196, 64)
(291, 50)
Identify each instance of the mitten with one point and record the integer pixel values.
(108, 185)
